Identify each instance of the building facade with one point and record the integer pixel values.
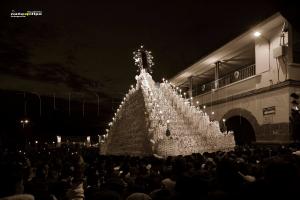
(250, 85)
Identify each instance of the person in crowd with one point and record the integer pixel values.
(67, 173)
(11, 182)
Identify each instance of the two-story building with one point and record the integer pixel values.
(248, 84)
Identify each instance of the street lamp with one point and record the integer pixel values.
(24, 122)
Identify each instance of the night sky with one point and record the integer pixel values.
(86, 48)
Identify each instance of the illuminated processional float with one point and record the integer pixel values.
(154, 119)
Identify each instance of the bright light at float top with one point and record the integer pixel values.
(138, 59)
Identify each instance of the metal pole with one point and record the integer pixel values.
(217, 68)
(40, 101)
(98, 104)
(190, 86)
(54, 106)
(25, 105)
(69, 103)
(83, 108)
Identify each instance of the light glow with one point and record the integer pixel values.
(58, 138)
(257, 34)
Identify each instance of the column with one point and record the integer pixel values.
(190, 92)
(217, 74)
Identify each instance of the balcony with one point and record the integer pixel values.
(228, 79)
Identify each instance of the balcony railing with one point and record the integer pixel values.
(238, 75)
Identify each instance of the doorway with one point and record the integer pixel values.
(243, 131)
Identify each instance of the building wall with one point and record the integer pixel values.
(294, 71)
(270, 71)
(266, 65)
(268, 128)
(271, 86)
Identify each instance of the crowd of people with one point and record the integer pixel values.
(76, 173)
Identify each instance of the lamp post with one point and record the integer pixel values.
(24, 122)
(40, 102)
